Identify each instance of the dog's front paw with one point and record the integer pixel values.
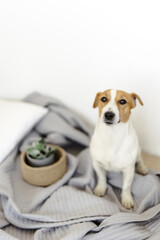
(127, 200)
(100, 190)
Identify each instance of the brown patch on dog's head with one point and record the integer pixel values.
(101, 100)
(125, 102)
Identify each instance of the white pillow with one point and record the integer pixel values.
(16, 120)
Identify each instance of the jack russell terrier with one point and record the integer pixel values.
(114, 145)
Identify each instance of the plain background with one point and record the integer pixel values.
(73, 49)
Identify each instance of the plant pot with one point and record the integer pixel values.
(41, 162)
(46, 175)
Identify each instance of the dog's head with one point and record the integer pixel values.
(115, 105)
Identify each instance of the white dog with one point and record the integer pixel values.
(114, 145)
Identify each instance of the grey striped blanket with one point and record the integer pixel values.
(68, 209)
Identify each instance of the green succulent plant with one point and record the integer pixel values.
(40, 150)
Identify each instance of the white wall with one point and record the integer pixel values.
(72, 49)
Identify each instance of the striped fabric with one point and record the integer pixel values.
(68, 209)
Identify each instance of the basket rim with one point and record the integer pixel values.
(60, 160)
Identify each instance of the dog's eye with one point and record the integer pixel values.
(122, 101)
(103, 99)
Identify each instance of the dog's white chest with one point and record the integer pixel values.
(110, 160)
(114, 151)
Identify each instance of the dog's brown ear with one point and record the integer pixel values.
(95, 104)
(134, 97)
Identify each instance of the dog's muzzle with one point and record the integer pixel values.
(109, 117)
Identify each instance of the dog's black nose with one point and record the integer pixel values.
(109, 115)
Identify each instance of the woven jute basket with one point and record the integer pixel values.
(44, 176)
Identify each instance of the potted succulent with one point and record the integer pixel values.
(34, 168)
(40, 154)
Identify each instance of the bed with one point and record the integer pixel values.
(68, 209)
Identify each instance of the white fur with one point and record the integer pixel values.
(112, 106)
(115, 148)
